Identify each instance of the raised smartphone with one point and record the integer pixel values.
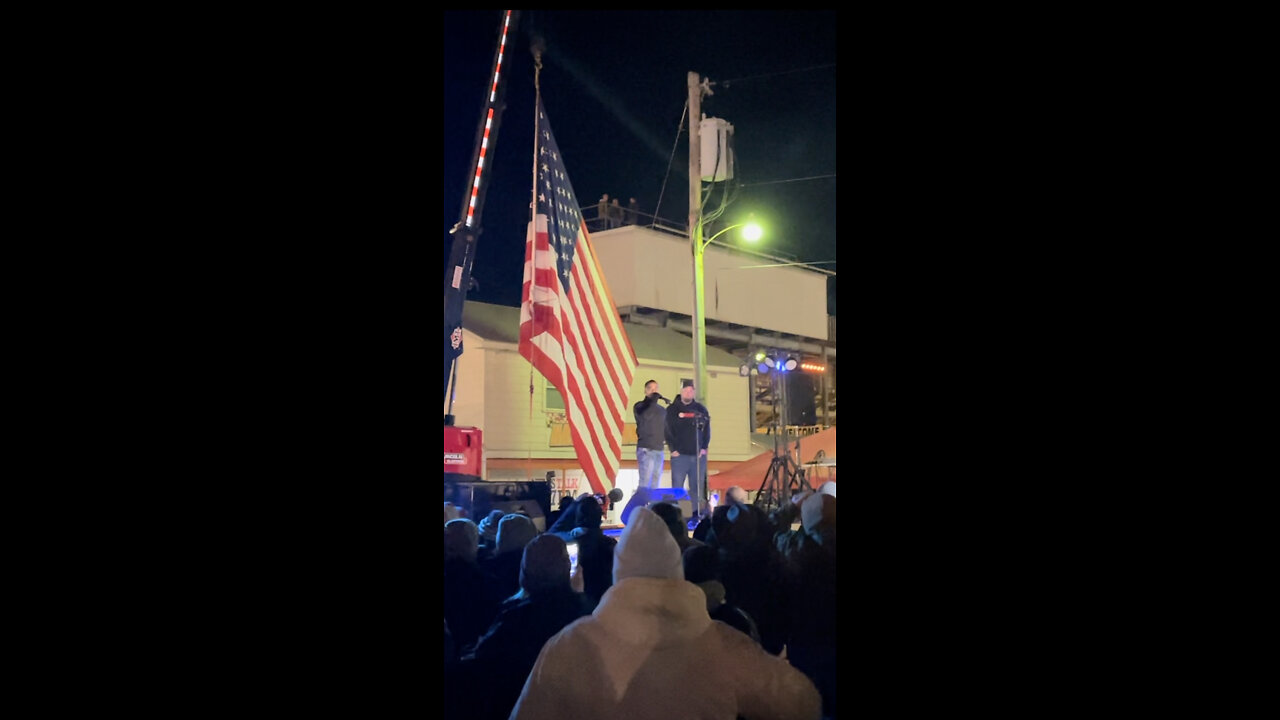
(573, 557)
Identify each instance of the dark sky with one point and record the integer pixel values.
(614, 85)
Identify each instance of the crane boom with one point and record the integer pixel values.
(466, 232)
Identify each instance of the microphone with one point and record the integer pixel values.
(662, 399)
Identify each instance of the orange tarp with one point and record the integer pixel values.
(749, 474)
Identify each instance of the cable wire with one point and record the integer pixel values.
(779, 182)
(726, 83)
(658, 210)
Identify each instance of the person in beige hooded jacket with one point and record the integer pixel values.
(650, 650)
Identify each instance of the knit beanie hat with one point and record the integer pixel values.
(672, 516)
(514, 532)
(545, 565)
(818, 508)
(741, 529)
(646, 549)
(701, 563)
(461, 540)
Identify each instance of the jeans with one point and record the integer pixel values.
(649, 463)
(682, 468)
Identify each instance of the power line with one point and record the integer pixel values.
(776, 182)
(726, 82)
(663, 191)
(798, 262)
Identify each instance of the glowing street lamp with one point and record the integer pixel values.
(751, 233)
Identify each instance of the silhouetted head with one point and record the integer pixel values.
(514, 532)
(590, 514)
(741, 528)
(461, 540)
(818, 511)
(701, 563)
(672, 516)
(545, 565)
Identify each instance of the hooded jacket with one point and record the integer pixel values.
(595, 549)
(634, 657)
(682, 429)
(504, 655)
(514, 532)
(812, 645)
(469, 601)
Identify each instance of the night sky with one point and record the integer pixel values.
(614, 86)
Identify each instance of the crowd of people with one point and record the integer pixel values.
(736, 622)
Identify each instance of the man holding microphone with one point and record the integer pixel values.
(650, 432)
(688, 434)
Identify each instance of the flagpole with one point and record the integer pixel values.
(536, 49)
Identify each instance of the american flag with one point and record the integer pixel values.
(569, 327)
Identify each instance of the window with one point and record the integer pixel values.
(554, 400)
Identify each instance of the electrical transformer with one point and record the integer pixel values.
(717, 150)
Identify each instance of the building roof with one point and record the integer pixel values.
(502, 324)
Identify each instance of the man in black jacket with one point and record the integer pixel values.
(688, 434)
(651, 421)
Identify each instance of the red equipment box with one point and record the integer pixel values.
(464, 451)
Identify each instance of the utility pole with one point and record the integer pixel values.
(696, 89)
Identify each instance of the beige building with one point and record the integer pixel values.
(526, 436)
(754, 302)
(647, 268)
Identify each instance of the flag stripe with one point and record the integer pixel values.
(587, 447)
(612, 363)
(590, 422)
(586, 451)
(589, 329)
(569, 328)
(584, 361)
(570, 375)
(606, 299)
(606, 343)
(579, 357)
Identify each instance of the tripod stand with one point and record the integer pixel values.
(782, 478)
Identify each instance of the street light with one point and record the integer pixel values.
(752, 232)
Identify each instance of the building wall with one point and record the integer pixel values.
(493, 394)
(785, 299)
(654, 269)
(728, 405)
(469, 387)
(511, 433)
